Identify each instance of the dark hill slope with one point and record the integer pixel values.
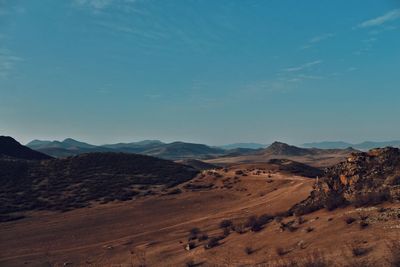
(198, 164)
(297, 168)
(62, 184)
(181, 150)
(9, 147)
(282, 149)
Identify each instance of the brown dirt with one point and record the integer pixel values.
(154, 229)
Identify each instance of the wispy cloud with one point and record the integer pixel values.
(304, 66)
(8, 62)
(390, 16)
(317, 39)
(96, 4)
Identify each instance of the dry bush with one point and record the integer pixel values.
(239, 228)
(203, 237)
(281, 251)
(371, 198)
(248, 250)
(174, 191)
(394, 254)
(226, 232)
(290, 226)
(349, 220)
(364, 224)
(213, 242)
(309, 229)
(334, 201)
(226, 224)
(190, 263)
(301, 220)
(360, 251)
(193, 233)
(316, 259)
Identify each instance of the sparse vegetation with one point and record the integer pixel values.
(248, 250)
(212, 242)
(226, 224)
(226, 232)
(203, 237)
(239, 228)
(281, 251)
(371, 198)
(349, 220)
(190, 263)
(359, 251)
(175, 191)
(75, 182)
(364, 224)
(334, 201)
(193, 233)
(301, 220)
(394, 253)
(309, 229)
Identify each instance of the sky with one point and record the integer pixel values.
(203, 71)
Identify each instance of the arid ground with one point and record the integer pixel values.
(154, 230)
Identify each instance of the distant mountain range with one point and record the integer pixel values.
(360, 146)
(172, 151)
(244, 145)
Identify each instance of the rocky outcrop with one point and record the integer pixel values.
(364, 178)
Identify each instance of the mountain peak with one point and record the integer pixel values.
(283, 149)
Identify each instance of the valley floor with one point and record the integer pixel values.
(154, 230)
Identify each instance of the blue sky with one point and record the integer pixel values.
(202, 71)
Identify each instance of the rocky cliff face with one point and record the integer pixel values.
(364, 178)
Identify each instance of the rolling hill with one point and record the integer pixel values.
(360, 146)
(172, 151)
(278, 150)
(9, 147)
(74, 182)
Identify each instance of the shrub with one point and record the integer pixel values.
(265, 218)
(225, 224)
(203, 237)
(175, 191)
(190, 263)
(226, 232)
(301, 220)
(371, 198)
(288, 226)
(281, 251)
(394, 251)
(248, 250)
(194, 231)
(364, 224)
(334, 201)
(256, 223)
(316, 260)
(360, 251)
(349, 220)
(213, 242)
(309, 229)
(239, 228)
(239, 172)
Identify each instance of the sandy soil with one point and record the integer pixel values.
(153, 230)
